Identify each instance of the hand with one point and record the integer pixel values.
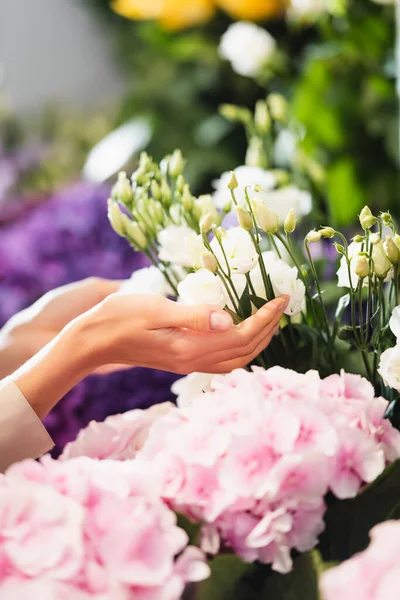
(151, 331)
(31, 329)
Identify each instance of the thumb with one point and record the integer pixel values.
(197, 318)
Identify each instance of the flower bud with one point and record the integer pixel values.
(386, 218)
(327, 232)
(290, 222)
(209, 262)
(262, 120)
(122, 190)
(374, 238)
(391, 250)
(155, 190)
(166, 196)
(367, 219)
(266, 219)
(157, 212)
(257, 188)
(382, 264)
(180, 184)
(228, 207)
(187, 199)
(361, 268)
(115, 217)
(358, 238)
(219, 233)
(255, 155)
(339, 248)
(233, 183)
(235, 113)
(134, 233)
(206, 223)
(278, 106)
(281, 177)
(313, 236)
(396, 240)
(244, 218)
(176, 163)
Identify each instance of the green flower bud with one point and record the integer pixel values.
(386, 218)
(209, 262)
(361, 267)
(166, 196)
(235, 113)
(327, 232)
(115, 217)
(157, 212)
(290, 222)
(255, 155)
(219, 233)
(155, 190)
(257, 188)
(281, 176)
(206, 223)
(135, 234)
(339, 248)
(391, 250)
(313, 236)
(244, 218)
(358, 238)
(122, 190)
(278, 107)
(233, 183)
(266, 219)
(176, 163)
(187, 199)
(228, 207)
(262, 120)
(367, 219)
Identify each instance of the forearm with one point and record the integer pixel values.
(58, 367)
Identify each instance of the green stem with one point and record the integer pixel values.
(318, 288)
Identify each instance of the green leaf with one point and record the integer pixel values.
(341, 307)
(191, 527)
(256, 301)
(245, 304)
(226, 572)
(300, 584)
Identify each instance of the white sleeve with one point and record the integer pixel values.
(22, 434)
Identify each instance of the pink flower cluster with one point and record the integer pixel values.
(84, 529)
(119, 437)
(371, 575)
(253, 459)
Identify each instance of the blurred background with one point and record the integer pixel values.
(86, 85)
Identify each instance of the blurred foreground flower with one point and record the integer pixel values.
(248, 47)
(180, 14)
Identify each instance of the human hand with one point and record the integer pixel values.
(31, 329)
(151, 331)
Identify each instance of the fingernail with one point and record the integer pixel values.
(220, 321)
(282, 302)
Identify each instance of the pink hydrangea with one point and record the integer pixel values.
(118, 437)
(253, 459)
(374, 573)
(85, 528)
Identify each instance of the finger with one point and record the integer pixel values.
(201, 318)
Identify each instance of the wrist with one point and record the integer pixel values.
(58, 367)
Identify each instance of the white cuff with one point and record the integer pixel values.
(22, 434)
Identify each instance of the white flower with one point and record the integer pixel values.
(202, 287)
(389, 367)
(189, 387)
(343, 272)
(248, 48)
(382, 264)
(149, 280)
(239, 250)
(394, 322)
(245, 176)
(307, 10)
(195, 248)
(172, 245)
(290, 197)
(284, 281)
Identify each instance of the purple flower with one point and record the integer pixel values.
(67, 238)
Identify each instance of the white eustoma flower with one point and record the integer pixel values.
(172, 245)
(343, 272)
(195, 248)
(307, 10)
(248, 48)
(389, 367)
(190, 387)
(284, 280)
(245, 176)
(288, 198)
(239, 251)
(149, 280)
(202, 287)
(394, 322)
